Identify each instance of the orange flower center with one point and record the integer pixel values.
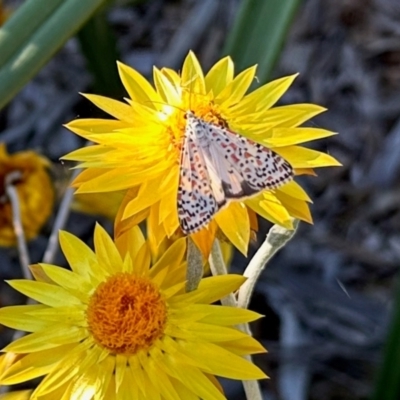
(127, 313)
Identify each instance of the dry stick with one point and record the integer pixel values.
(52, 247)
(277, 238)
(217, 265)
(195, 270)
(61, 219)
(12, 195)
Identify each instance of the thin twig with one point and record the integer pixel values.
(60, 221)
(218, 267)
(12, 195)
(277, 238)
(52, 247)
(194, 271)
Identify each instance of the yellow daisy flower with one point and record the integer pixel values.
(141, 148)
(35, 193)
(115, 327)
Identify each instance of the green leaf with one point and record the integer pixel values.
(42, 44)
(98, 44)
(23, 23)
(259, 33)
(387, 386)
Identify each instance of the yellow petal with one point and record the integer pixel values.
(16, 317)
(297, 208)
(120, 179)
(270, 208)
(288, 136)
(173, 256)
(264, 97)
(86, 126)
(50, 338)
(147, 196)
(44, 293)
(34, 365)
(222, 362)
(235, 224)
(235, 90)
(244, 347)
(69, 280)
(289, 116)
(222, 315)
(155, 231)
(192, 378)
(212, 289)
(138, 88)
(80, 256)
(301, 157)
(123, 225)
(95, 152)
(115, 108)
(39, 274)
(168, 211)
(192, 78)
(219, 76)
(145, 115)
(142, 380)
(120, 369)
(73, 315)
(92, 180)
(293, 189)
(106, 251)
(173, 77)
(153, 367)
(130, 242)
(142, 261)
(296, 114)
(165, 88)
(205, 238)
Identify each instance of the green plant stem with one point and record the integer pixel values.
(61, 25)
(276, 239)
(22, 25)
(218, 267)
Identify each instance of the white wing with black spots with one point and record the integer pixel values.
(243, 162)
(198, 195)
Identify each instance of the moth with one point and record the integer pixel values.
(217, 165)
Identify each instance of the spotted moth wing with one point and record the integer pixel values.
(218, 165)
(246, 167)
(197, 200)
